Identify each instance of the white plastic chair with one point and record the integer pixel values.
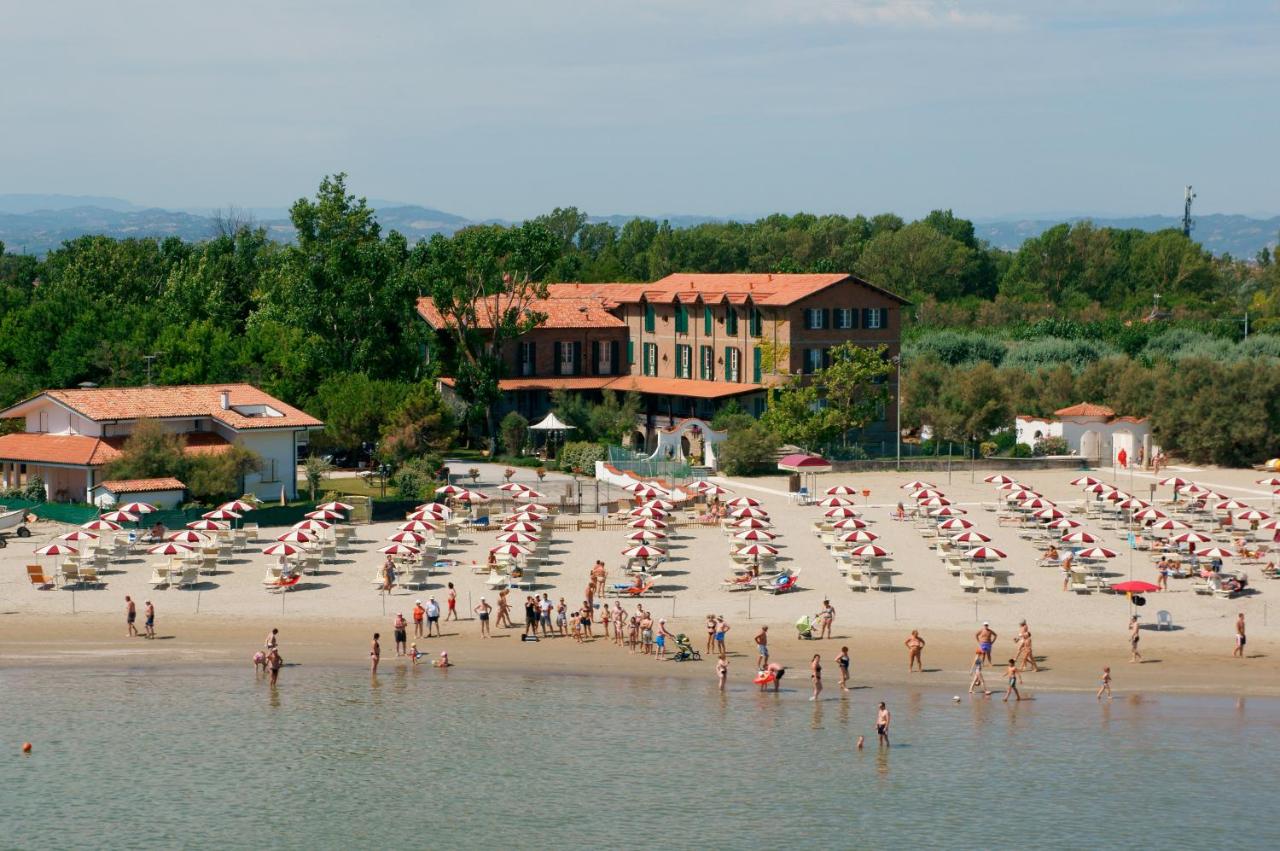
(1164, 620)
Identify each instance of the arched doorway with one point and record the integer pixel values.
(637, 441)
(1091, 445)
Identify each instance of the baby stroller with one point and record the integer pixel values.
(684, 650)
(807, 627)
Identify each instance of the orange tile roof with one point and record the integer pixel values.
(1085, 409)
(696, 388)
(563, 309)
(763, 288)
(192, 400)
(140, 485)
(75, 449)
(194, 443)
(567, 382)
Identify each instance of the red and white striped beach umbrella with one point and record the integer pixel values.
(1191, 538)
(530, 493)
(749, 511)
(1064, 523)
(643, 551)
(1230, 505)
(169, 548)
(1118, 496)
(1271, 524)
(916, 484)
(655, 513)
(406, 537)
(1100, 488)
(1253, 515)
(512, 487)
(1048, 514)
(101, 525)
(1176, 482)
(535, 507)
(998, 479)
(400, 550)
(1215, 552)
(742, 501)
(1149, 514)
(958, 524)
(119, 517)
(841, 490)
(833, 502)
(754, 535)
(926, 493)
(425, 514)
(712, 489)
(1036, 503)
(650, 492)
(1210, 496)
(947, 511)
(935, 502)
(296, 536)
(450, 490)
(281, 549)
(188, 536)
(1085, 481)
(660, 503)
(642, 535)
(757, 550)
(220, 514)
(841, 511)
(78, 535)
(1168, 524)
(1080, 537)
(472, 496)
(333, 505)
(971, 537)
(869, 551)
(136, 508)
(1012, 486)
(206, 525)
(422, 527)
(56, 549)
(756, 522)
(512, 550)
(239, 505)
(323, 514)
(647, 523)
(1133, 504)
(1021, 495)
(517, 537)
(1097, 552)
(981, 553)
(857, 536)
(312, 525)
(1272, 482)
(849, 523)
(527, 517)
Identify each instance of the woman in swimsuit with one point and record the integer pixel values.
(562, 617)
(915, 649)
(815, 674)
(722, 671)
(584, 618)
(274, 664)
(619, 621)
(453, 604)
(375, 653)
(843, 661)
(977, 681)
(504, 608)
(711, 633)
(828, 617)
(1012, 677)
(605, 617)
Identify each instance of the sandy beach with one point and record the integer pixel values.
(330, 619)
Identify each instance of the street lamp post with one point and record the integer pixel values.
(897, 409)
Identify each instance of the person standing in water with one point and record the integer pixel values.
(915, 649)
(762, 648)
(1134, 638)
(815, 674)
(883, 718)
(375, 653)
(722, 670)
(843, 662)
(402, 639)
(1012, 677)
(986, 640)
(977, 681)
(274, 664)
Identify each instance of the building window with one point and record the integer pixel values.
(845, 318)
(682, 319)
(706, 320)
(706, 364)
(528, 358)
(812, 360)
(567, 357)
(757, 322)
(42, 422)
(684, 361)
(814, 319)
(873, 318)
(650, 358)
(731, 364)
(649, 316)
(731, 322)
(269, 471)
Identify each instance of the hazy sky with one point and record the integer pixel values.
(723, 107)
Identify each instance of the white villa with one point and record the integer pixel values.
(71, 434)
(1093, 432)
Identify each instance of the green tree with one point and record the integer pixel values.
(211, 477)
(422, 423)
(747, 450)
(150, 452)
(515, 433)
(846, 395)
(614, 418)
(354, 408)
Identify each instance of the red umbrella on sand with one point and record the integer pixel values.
(101, 525)
(947, 511)
(916, 485)
(869, 551)
(406, 537)
(998, 479)
(857, 536)
(206, 525)
(749, 511)
(643, 551)
(841, 490)
(399, 550)
(741, 501)
(971, 537)
(754, 535)
(752, 523)
(1134, 587)
(119, 517)
(281, 549)
(956, 523)
(169, 548)
(136, 508)
(849, 523)
(980, 553)
(841, 511)
(1097, 552)
(511, 550)
(833, 502)
(1080, 537)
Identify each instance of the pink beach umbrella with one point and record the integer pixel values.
(169, 548)
(642, 535)
(296, 536)
(1097, 552)
(1080, 537)
(324, 506)
(841, 490)
(754, 535)
(1086, 481)
(849, 523)
(406, 537)
(869, 551)
(857, 536)
(841, 511)
(119, 517)
(136, 508)
(985, 553)
(398, 549)
(239, 505)
(998, 479)
(101, 525)
(916, 485)
(756, 522)
(743, 501)
(955, 524)
(833, 502)
(645, 551)
(422, 527)
(188, 536)
(647, 523)
(206, 525)
(971, 537)
(512, 550)
(281, 549)
(516, 537)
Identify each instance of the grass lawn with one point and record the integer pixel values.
(351, 485)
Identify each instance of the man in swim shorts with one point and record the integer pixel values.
(883, 718)
(130, 616)
(150, 624)
(1240, 637)
(762, 648)
(483, 611)
(986, 640)
(433, 617)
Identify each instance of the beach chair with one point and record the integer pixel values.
(783, 583)
(856, 581)
(641, 592)
(417, 578)
(342, 536)
(1080, 583)
(280, 586)
(159, 575)
(272, 576)
(495, 580)
(882, 580)
(311, 564)
(969, 580)
(1164, 620)
(208, 564)
(70, 574)
(89, 575)
(745, 582)
(1000, 580)
(250, 531)
(35, 575)
(186, 577)
(527, 578)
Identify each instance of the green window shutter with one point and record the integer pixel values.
(727, 351)
(595, 356)
(648, 318)
(682, 319)
(706, 320)
(731, 322)
(757, 323)
(577, 358)
(631, 351)
(756, 360)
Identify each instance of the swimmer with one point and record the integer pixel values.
(274, 663)
(443, 662)
(260, 662)
(375, 653)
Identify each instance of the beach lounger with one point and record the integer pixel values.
(746, 582)
(159, 575)
(882, 580)
(70, 574)
(35, 574)
(89, 575)
(856, 581)
(495, 580)
(417, 578)
(1080, 583)
(1000, 580)
(187, 577)
(969, 580)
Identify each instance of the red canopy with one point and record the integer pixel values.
(802, 463)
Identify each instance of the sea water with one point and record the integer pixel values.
(425, 758)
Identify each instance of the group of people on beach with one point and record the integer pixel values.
(268, 660)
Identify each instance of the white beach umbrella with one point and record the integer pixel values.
(422, 527)
(869, 551)
(971, 537)
(101, 525)
(916, 484)
(1097, 552)
(398, 549)
(998, 479)
(169, 548)
(642, 535)
(406, 537)
(516, 538)
(206, 525)
(841, 490)
(955, 523)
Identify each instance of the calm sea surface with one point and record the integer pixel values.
(424, 758)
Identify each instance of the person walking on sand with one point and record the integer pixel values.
(842, 661)
(1025, 653)
(976, 681)
(815, 674)
(762, 648)
(986, 640)
(274, 663)
(130, 617)
(483, 610)
(915, 651)
(399, 627)
(1012, 677)
(375, 653)
(453, 603)
(1106, 684)
(660, 640)
(722, 671)
(1134, 638)
(722, 629)
(388, 575)
(825, 619)
(883, 719)
(504, 608)
(418, 614)
(149, 620)
(1240, 637)
(433, 617)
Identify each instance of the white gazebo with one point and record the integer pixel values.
(551, 425)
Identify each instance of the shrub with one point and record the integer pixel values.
(515, 431)
(956, 348)
(416, 478)
(581, 455)
(1054, 351)
(988, 448)
(1051, 446)
(34, 489)
(1259, 346)
(316, 470)
(747, 450)
(1021, 450)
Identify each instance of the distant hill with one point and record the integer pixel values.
(1239, 236)
(34, 224)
